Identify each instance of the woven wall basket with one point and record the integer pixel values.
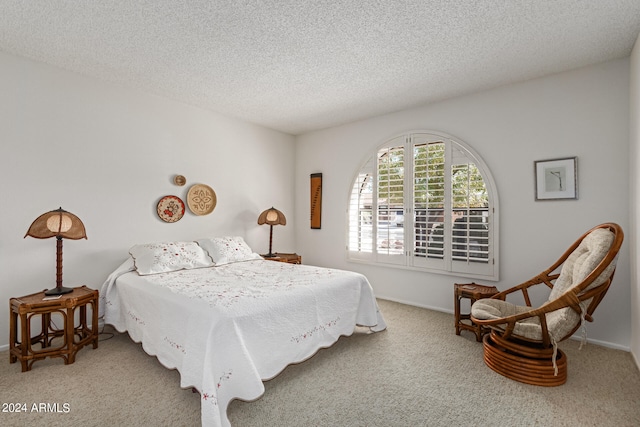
(201, 199)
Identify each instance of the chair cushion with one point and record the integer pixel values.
(583, 260)
(490, 309)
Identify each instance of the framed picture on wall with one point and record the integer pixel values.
(556, 179)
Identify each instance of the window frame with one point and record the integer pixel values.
(367, 176)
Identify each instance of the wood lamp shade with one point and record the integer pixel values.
(59, 224)
(271, 216)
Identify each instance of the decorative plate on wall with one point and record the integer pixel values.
(179, 180)
(170, 208)
(201, 199)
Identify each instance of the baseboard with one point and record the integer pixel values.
(411, 303)
(4, 347)
(635, 359)
(574, 337)
(607, 344)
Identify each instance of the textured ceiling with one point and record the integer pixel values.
(297, 66)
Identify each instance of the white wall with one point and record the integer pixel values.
(582, 113)
(108, 154)
(634, 235)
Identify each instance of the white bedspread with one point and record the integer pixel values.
(227, 328)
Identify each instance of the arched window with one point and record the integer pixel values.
(425, 201)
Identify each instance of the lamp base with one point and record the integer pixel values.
(269, 255)
(58, 291)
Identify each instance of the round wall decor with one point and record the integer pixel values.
(179, 180)
(170, 208)
(201, 199)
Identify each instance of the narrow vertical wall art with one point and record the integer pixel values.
(316, 200)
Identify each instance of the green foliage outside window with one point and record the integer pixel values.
(468, 187)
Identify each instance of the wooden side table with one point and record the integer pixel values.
(473, 292)
(27, 348)
(282, 257)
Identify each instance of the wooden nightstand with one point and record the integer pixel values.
(282, 257)
(474, 292)
(27, 348)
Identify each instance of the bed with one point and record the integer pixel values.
(227, 319)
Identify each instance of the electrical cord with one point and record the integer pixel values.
(102, 335)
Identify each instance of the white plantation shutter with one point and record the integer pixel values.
(390, 204)
(360, 233)
(429, 202)
(425, 201)
(470, 228)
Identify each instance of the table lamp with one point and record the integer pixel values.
(271, 216)
(59, 224)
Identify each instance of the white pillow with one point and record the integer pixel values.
(152, 258)
(225, 250)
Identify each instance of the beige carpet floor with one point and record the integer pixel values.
(416, 373)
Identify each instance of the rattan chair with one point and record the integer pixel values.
(522, 344)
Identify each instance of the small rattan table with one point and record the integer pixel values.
(51, 340)
(473, 292)
(282, 257)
